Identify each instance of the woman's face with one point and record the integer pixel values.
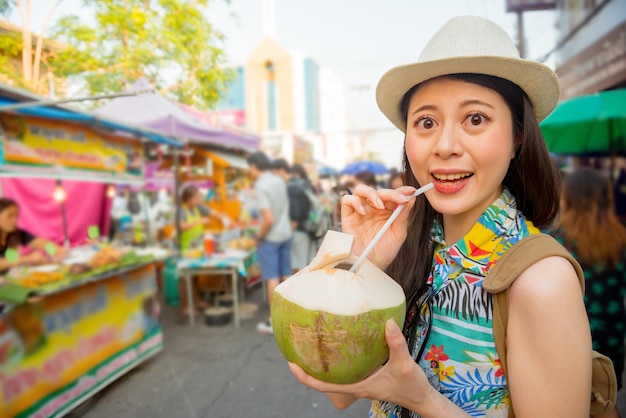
(8, 219)
(460, 137)
(195, 200)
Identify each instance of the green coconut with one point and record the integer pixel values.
(330, 321)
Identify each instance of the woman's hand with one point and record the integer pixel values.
(33, 259)
(61, 253)
(400, 380)
(366, 211)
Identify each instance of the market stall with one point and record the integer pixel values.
(213, 158)
(71, 327)
(232, 259)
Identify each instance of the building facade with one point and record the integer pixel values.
(591, 49)
(292, 103)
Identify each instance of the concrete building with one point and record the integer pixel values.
(591, 50)
(293, 104)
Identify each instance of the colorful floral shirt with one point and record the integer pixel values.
(460, 358)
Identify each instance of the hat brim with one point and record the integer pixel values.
(538, 81)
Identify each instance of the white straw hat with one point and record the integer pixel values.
(469, 44)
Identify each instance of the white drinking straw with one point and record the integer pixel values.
(385, 227)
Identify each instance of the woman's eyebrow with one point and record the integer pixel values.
(476, 102)
(425, 107)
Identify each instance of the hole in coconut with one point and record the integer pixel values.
(344, 266)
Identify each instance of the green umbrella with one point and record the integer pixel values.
(593, 125)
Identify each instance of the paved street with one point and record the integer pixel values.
(206, 372)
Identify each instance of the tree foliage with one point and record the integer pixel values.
(26, 57)
(5, 7)
(170, 42)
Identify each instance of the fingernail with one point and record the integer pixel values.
(404, 198)
(362, 209)
(392, 328)
(379, 203)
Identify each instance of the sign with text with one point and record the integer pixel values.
(528, 5)
(54, 147)
(59, 351)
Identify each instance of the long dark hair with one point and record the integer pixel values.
(588, 218)
(12, 240)
(532, 177)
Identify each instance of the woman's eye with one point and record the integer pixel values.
(476, 118)
(425, 123)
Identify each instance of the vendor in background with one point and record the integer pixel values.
(11, 237)
(193, 218)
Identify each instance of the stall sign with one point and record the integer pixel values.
(56, 353)
(46, 146)
(157, 179)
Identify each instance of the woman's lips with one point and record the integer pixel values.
(450, 183)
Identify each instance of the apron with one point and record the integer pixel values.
(192, 234)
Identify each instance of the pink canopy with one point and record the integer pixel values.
(86, 205)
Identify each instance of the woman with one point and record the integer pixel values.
(469, 109)
(12, 237)
(590, 230)
(193, 218)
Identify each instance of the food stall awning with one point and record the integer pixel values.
(228, 160)
(92, 121)
(155, 112)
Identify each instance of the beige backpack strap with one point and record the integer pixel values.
(514, 262)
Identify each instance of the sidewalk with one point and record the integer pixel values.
(207, 372)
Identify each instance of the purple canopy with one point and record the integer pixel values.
(151, 110)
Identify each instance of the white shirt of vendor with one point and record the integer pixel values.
(271, 192)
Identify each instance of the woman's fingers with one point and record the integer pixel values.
(308, 380)
(379, 199)
(350, 204)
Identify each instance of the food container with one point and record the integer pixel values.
(209, 244)
(217, 316)
(225, 300)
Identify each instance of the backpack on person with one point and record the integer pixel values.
(318, 221)
(498, 281)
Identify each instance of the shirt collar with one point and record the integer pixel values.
(473, 252)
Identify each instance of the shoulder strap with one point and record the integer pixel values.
(501, 276)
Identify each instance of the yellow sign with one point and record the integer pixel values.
(56, 353)
(41, 142)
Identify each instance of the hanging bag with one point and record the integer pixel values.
(500, 278)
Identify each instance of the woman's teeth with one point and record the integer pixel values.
(449, 177)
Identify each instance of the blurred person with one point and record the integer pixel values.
(12, 237)
(298, 171)
(469, 110)
(590, 229)
(395, 181)
(274, 235)
(192, 220)
(367, 178)
(302, 249)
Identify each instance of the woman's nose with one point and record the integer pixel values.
(448, 142)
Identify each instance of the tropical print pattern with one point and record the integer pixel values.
(605, 290)
(460, 358)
